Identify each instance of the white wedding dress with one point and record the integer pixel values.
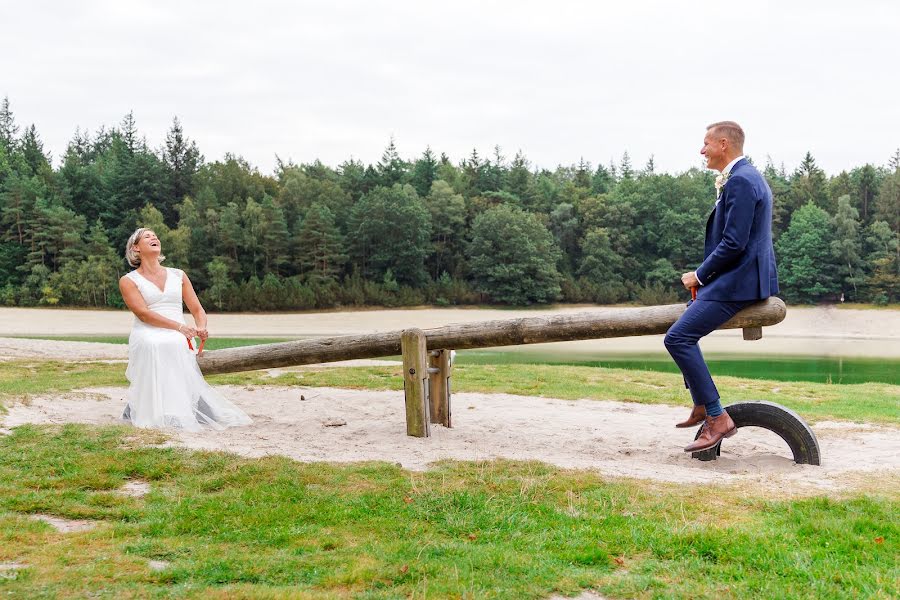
(167, 388)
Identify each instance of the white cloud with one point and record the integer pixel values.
(559, 80)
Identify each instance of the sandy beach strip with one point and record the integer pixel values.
(813, 331)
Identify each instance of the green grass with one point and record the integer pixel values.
(271, 527)
(875, 402)
(266, 528)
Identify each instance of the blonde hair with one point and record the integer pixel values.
(731, 131)
(134, 258)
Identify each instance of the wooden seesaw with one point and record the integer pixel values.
(427, 368)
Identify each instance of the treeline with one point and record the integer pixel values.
(399, 232)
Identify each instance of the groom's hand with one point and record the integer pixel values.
(690, 280)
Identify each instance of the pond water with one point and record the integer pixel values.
(818, 369)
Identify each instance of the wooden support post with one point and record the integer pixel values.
(752, 333)
(439, 375)
(415, 382)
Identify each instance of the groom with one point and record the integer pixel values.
(738, 270)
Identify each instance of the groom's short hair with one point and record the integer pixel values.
(730, 131)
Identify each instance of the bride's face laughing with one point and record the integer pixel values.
(148, 245)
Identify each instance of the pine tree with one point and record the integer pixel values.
(252, 222)
(230, 233)
(519, 177)
(494, 172)
(353, 178)
(806, 267)
(866, 182)
(80, 178)
(320, 246)
(887, 202)
(32, 150)
(564, 226)
(894, 161)
(448, 219)
(391, 167)
(473, 174)
(424, 172)
(625, 170)
(129, 132)
(600, 263)
(583, 177)
(182, 161)
(847, 245)
(274, 237)
(602, 181)
(883, 258)
(56, 234)
(8, 128)
(808, 185)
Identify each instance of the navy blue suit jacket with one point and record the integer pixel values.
(739, 258)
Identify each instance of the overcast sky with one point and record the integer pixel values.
(559, 80)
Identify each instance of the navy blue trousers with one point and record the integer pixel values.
(700, 318)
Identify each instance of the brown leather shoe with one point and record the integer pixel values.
(698, 414)
(712, 433)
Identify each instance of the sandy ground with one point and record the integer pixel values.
(820, 331)
(612, 438)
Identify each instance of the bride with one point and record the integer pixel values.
(167, 388)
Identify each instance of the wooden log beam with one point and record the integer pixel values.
(596, 324)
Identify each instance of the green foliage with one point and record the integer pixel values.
(390, 228)
(602, 267)
(328, 236)
(448, 226)
(804, 256)
(320, 245)
(512, 257)
(847, 247)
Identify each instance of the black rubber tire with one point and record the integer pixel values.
(777, 419)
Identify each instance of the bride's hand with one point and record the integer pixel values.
(203, 334)
(188, 331)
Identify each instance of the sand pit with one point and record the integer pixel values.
(18, 348)
(612, 438)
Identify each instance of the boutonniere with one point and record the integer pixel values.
(721, 180)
